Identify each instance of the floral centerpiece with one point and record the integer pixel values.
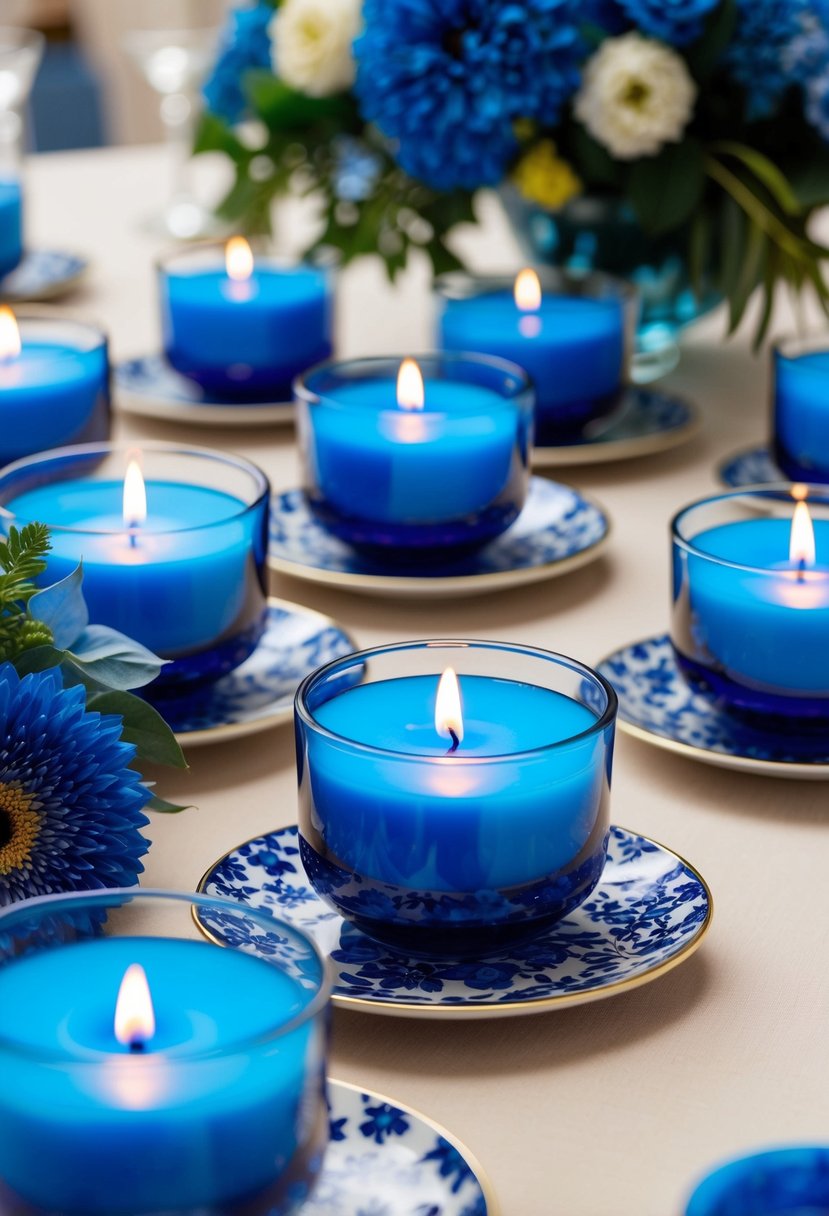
(707, 119)
(71, 804)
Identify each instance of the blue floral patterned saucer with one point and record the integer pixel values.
(150, 388)
(260, 693)
(646, 421)
(557, 531)
(657, 705)
(752, 467)
(384, 1159)
(648, 913)
(44, 274)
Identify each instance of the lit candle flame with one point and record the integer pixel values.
(9, 335)
(135, 495)
(802, 543)
(527, 291)
(411, 394)
(134, 1014)
(448, 714)
(238, 259)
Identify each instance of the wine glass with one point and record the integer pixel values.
(21, 51)
(172, 43)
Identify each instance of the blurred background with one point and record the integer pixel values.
(115, 71)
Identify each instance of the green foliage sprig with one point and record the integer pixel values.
(22, 559)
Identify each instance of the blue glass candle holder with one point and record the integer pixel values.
(751, 604)
(11, 223)
(453, 835)
(187, 581)
(574, 337)
(779, 1182)
(429, 481)
(21, 51)
(54, 383)
(244, 339)
(800, 407)
(194, 1087)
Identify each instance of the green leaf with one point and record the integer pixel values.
(699, 250)
(143, 726)
(114, 660)
(666, 189)
(166, 808)
(764, 170)
(809, 179)
(214, 135)
(593, 162)
(751, 273)
(705, 54)
(283, 108)
(62, 608)
(733, 236)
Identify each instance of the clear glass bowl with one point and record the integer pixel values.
(749, 621)
(800, 407)
(189, 581)
(212, 1105)
(57, 391)
(428, 482)
(454, 850)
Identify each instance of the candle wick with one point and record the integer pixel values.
(801, 570)
(455, 742)
(137, 1046)
(133, 534)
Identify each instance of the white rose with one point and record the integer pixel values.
(312, 44)
(636, 95)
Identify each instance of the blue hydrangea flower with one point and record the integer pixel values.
(70, 807)
(446, 79)
(759, 56)
(676, 21)
(356, 170)
(817, 102)
(245, 44)
(607, 14)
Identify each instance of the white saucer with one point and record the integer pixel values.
(150, 388)
(557, 531)
(44, 274)
(646, 421)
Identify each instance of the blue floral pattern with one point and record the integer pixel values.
(149, 385)
(648, 909)
(43, 274)
(654, 698)
(556, 524)
(386, 1161)
(645, 420)
(754, 467)
(260, 693)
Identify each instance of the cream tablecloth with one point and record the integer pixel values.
(610, 1109)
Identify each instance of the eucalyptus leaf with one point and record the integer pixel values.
(166, 808)
(63, 608)
(143, 726)
(113, 659)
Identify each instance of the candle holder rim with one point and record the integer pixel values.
(493, 363)
(783, 489)
(40, 312)
(717, 1183)
(607, 717)
(812, 342)
(81, 449)
(124, 895)
(322, 259)
(466, 285)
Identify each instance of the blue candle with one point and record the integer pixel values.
(751, 607)
(245, 329)
(572, 346)
(801, 411)
(11, 225)
(208, 1113)
(406, 826)
(393, 462)
(54, 384)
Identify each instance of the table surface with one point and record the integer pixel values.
(610, 1109)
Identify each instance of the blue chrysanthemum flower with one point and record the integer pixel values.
(759, 56)
(446, 79)
(607, 14)
(70, 808)
(676, 21)
(245, 44)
